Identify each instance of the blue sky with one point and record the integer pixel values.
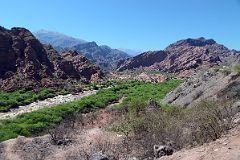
(132, 24)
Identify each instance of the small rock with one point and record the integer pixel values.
(99, 156)
(161, 150)
(225, 143)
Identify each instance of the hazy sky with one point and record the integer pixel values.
(133, 24)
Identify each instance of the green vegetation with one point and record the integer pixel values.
(142, 91)
(14, 99)
(236, 68)
(97, 86)
(228, 70)
(36, 121)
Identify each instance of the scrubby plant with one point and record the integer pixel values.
(236, 68)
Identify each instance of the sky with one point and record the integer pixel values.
(132, 24)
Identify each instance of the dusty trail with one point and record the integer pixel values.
(49, 102)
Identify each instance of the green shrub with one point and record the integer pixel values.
(136, 106)
(236, 68)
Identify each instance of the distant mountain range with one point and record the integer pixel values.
(57, 39)
(131, 52)
(104, 56)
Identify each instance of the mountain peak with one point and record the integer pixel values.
(199, 42)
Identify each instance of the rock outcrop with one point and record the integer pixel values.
(183, 57)
(83, 66)
(146, 59)
(26, 63)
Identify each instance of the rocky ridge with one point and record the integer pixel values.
(183, 57)
(26, 63)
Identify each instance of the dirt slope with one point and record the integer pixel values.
(225, 148)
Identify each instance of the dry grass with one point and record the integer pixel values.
(176, 127)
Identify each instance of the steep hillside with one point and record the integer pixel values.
(26, 63)
(183, 57)
(103, 56)
(213, 84)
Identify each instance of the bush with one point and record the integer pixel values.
(236, 68)
(136, 107)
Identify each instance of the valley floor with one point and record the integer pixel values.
(49, 102)
(93, 130)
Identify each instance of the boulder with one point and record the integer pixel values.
(162, 150)
(152, 106)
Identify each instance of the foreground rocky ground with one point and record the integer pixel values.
(88, 137)
(92, 139)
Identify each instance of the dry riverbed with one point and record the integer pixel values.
(49, 102)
